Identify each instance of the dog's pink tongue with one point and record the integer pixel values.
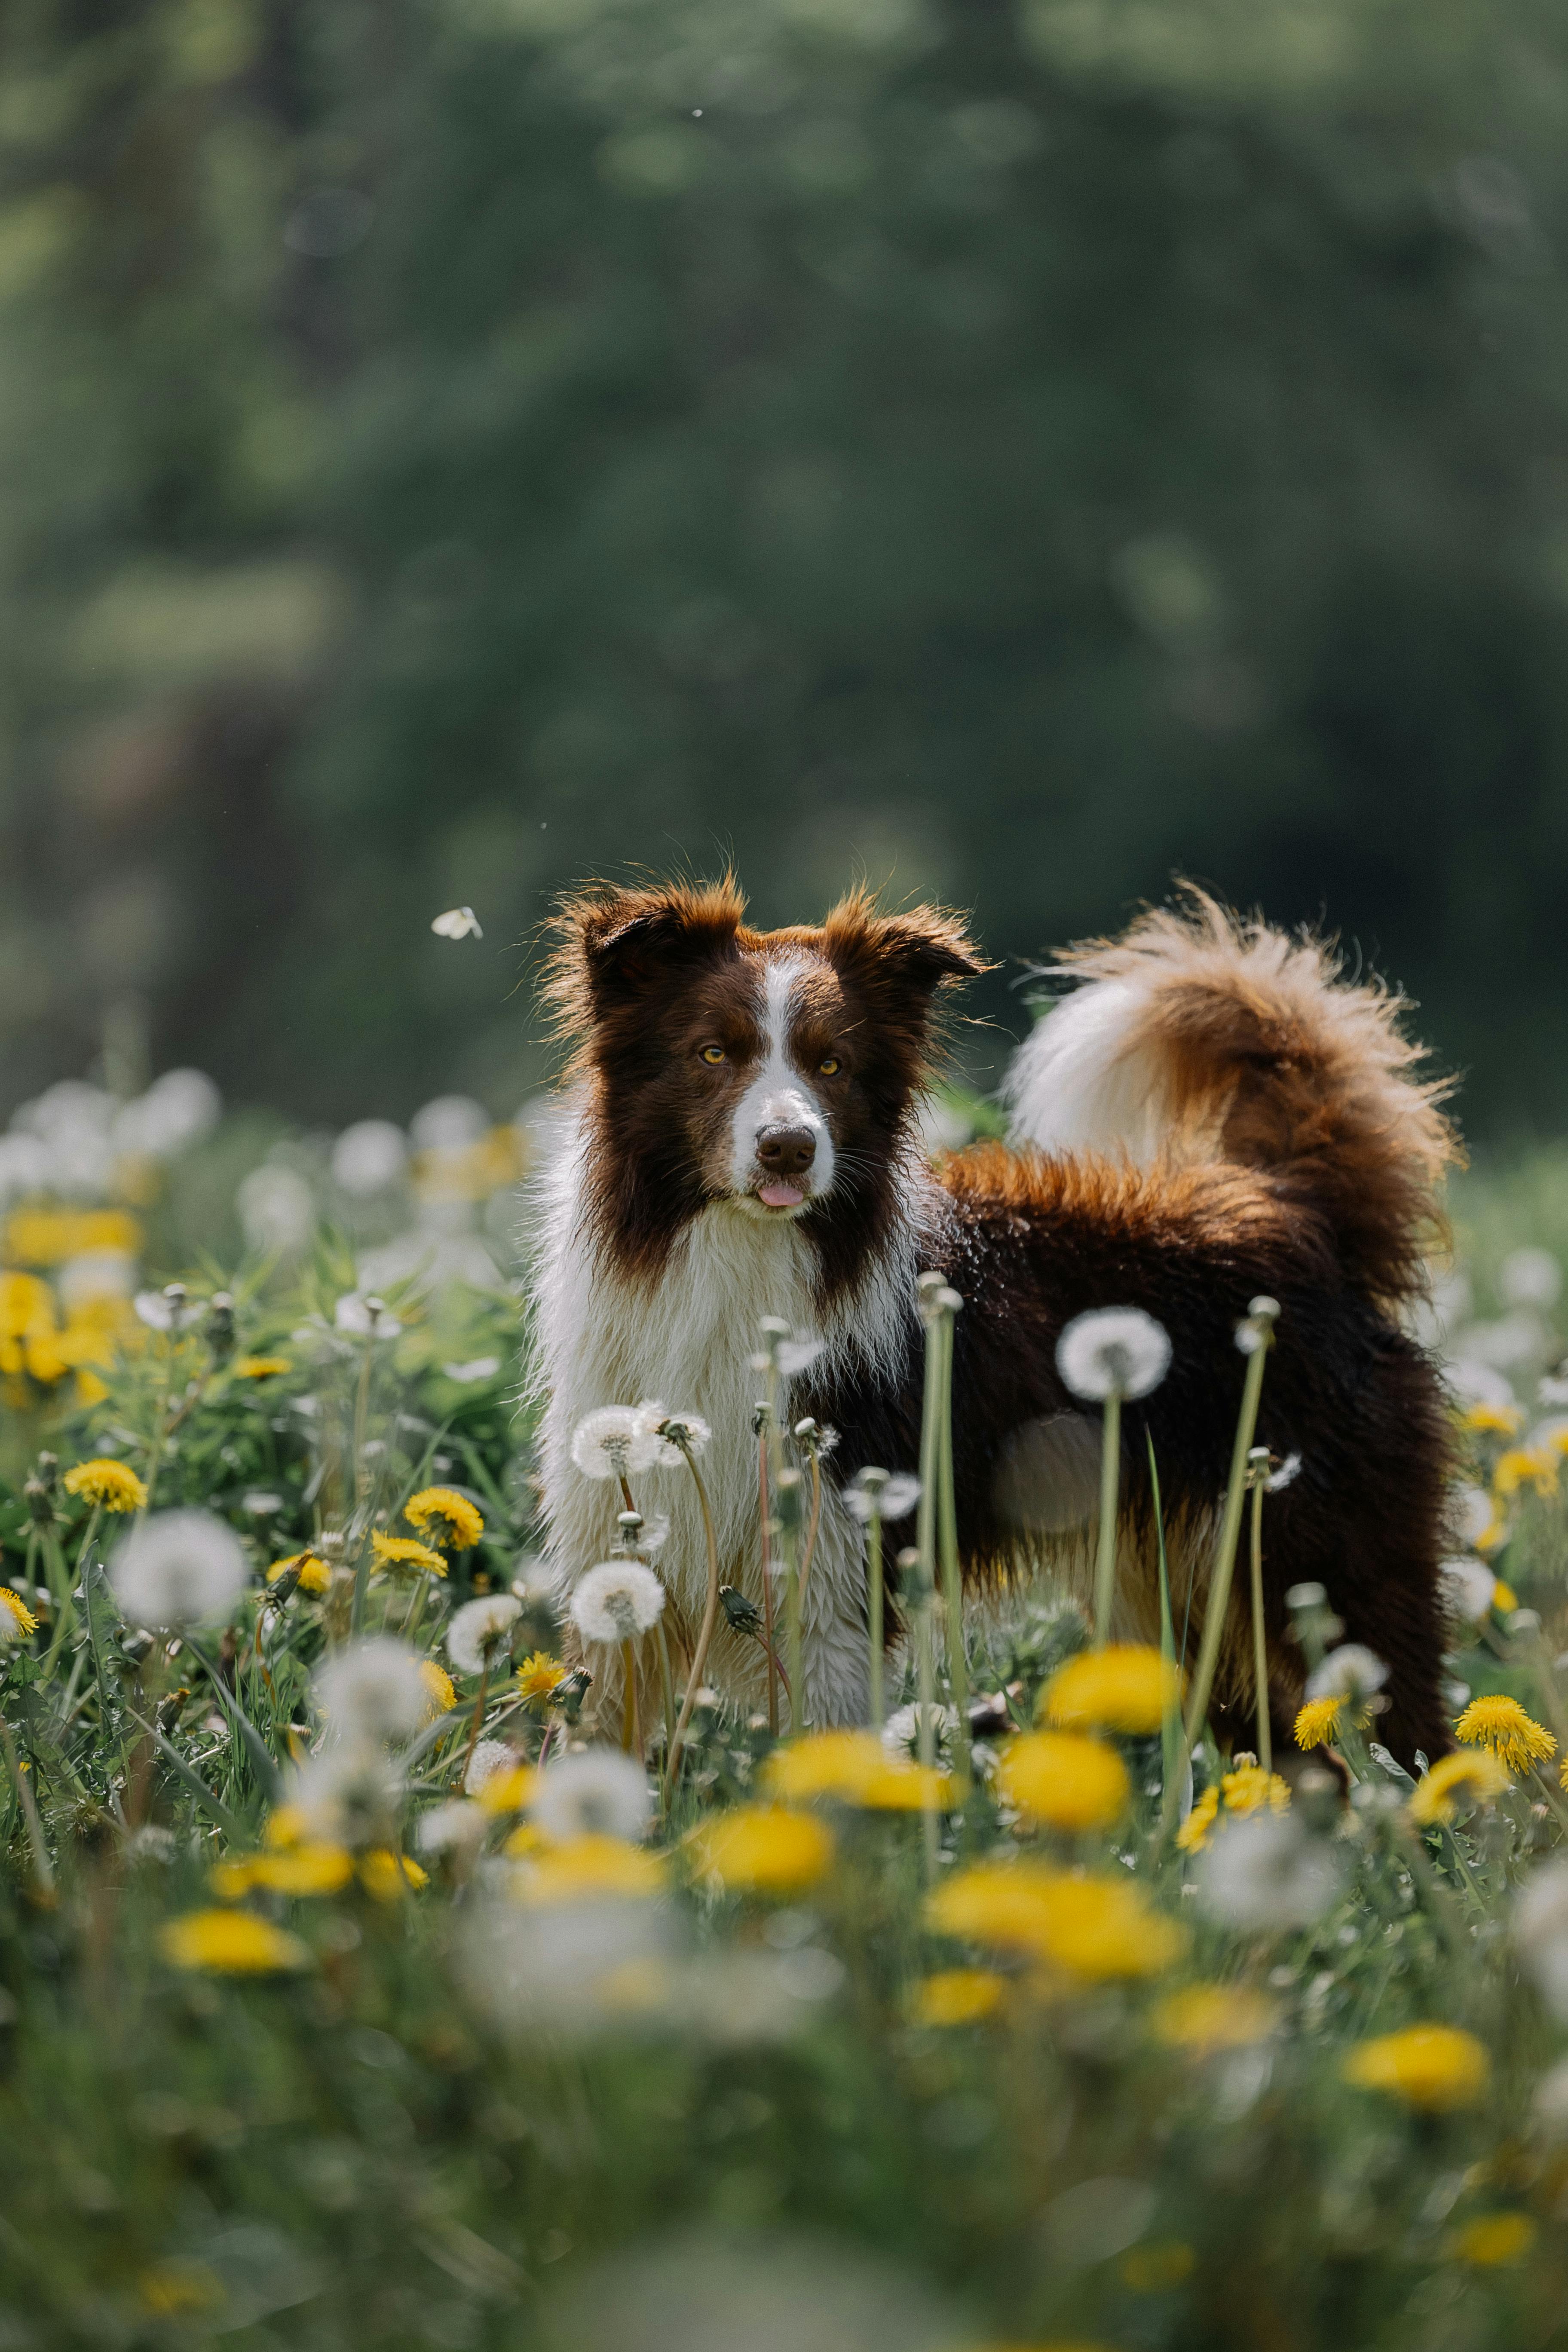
(779, 1196)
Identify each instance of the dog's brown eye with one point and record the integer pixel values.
(712, 1055)
(829, 1068)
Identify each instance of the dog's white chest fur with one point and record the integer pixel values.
(688, 1338)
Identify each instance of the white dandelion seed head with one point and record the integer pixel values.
(1540, 1934)
(617, 1601)
(1266, 1872)
(178, 1568)
(657, 1429)
(902, 1731)
(1467, 1587)
(1471, 1510)
(166, 1310)
(277, 1209)
(93, 1275)
(369, 1158)
(597, 1792)
(794, 1357)
(478, 1628)
(1470, 1381)
(1113, 1351)
(364, 1316)
(1287, 1473)
(348, 1793)
(653, 1535)
(612, 1443)
(1552, 1391)
(457, 923)
(1352, 1671)
(1252, 1332)
(479, 1367)
(490, 1757)
(873, 1495)
(1529, 1277)
(563, 1969)
(370, 1690)
(448, 1828)
(179, 1109)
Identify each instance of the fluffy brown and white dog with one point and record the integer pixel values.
(1210, 1115)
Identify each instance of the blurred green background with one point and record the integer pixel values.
(1015, 450)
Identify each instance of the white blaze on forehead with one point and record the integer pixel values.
(779, 1095)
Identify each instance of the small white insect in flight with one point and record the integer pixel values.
(457, 923)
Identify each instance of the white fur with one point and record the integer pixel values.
(688, 1339)
(779, 1097)
(1079, 1082)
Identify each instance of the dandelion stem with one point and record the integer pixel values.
(768, 1583)
(1259, 1460)
(874, 1597)
(947, 1544)
(1105, 1554)
(925, 1661)
(1264, 1313)
(709, 1616)
(631, 1721)
(478, 1719)
(24, 1798)
(810, 1553)
(1171, 1719)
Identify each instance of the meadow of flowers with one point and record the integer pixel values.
(369, 1976)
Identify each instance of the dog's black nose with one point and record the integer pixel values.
(786, 1150)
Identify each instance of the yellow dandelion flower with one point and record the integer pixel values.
(1527, 1466)
(113, 1486)
(1193, 1833)
(388, 1876)
(899, 1787)
(26, 1307)
(1493, 2240)
(1504, 1598)
(1478, 1776)
(1094, 1929)
(16, 1620)
(1100, 1928)
(45, 1360)
(507, 1790)
(1249, 1788)
(440, 1689)
(1155, 2269)
(824, 1764)
(285, 1827)
(587, 1866)
(316, 1868)
(1434, 2067)
(395, 1552)
(762, 1850)
(1063, 1780)
(996, 1902)
(526, 1840)
(178, 2290)
(444, 1516)
(1126, 1687)
(1204, 2018)
(1492, 1419)
(1318, 1721)
(315, 1576)
(231, 1943)
(49, 1237)
(955, 1997)
(261, 1367)
(540, 1677)
(1515, 1738)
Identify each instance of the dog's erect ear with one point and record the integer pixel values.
(615, 947)
(913, 953)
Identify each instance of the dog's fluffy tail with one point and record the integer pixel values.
(1199, 1037)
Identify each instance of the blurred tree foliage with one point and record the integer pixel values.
(1015, 449)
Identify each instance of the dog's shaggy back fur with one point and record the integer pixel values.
(1199, 1037)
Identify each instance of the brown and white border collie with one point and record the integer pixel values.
(1211, 1115)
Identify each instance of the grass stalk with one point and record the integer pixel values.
(710, 1617)
(1105, 1549)
(1171, 1721)
(1263, 1313)
(947, 1546)
(1258, 1467)
(875, 1598)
